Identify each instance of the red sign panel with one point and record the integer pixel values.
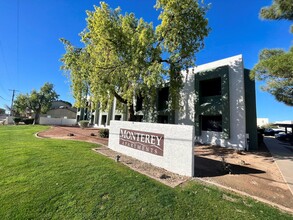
(145, 141)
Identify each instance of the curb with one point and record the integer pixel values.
(280, 207)
(281, 173)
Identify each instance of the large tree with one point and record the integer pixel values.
(126, 57)
(280, 9)
(37, 101)
(76, 64)
(181, 34)
(275, 65)
(2, 111)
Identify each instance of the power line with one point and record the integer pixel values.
(3, 57)
(17, 41)
(5, 69)
(3, 98)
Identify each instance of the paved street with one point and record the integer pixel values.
(283, 155)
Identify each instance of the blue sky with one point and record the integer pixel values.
(30, 49)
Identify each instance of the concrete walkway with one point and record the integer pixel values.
(283, 155)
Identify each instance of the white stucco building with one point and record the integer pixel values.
(262, 121)
(218, 99)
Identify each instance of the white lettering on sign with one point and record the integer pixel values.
(144, 141)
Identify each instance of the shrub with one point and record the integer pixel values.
(104, 133)
(28, 121)
(259, 138)
(83, 124)
(16, 120)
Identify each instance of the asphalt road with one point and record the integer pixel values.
(283, 155)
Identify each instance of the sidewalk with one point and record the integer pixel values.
(283, 156)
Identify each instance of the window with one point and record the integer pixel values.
(210, 87)
(163, 98)
(117, 118)
(211, 123)
(139, 118)
(163, 119)
(139, 101)
(104, 120)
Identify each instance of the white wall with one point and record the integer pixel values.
(9, 120)
(262, 121)
(60, 113)
(187, 112)
(237, 103)
(57, 121)
(3, 117)
(178, 155)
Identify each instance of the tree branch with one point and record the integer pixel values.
(119, 98)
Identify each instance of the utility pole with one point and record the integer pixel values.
(12, 100)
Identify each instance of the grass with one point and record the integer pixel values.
(58, 179)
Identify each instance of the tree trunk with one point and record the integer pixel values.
(37, 117)
(175, 86)
(131, 116)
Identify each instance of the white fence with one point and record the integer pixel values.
(8, 120)
(163, 145)
(57, 121)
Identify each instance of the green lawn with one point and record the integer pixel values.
(56, 179)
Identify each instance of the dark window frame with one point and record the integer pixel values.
(212, 123)
(210, 87)
(163, 98)
(139, 103)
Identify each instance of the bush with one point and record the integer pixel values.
(16, 120)
(28, 121)
(83, 124)
(259, 138)
(104, 133)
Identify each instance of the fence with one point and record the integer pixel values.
(57, 121)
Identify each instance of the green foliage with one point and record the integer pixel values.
(2, 111)
(119, 51)
(126, 57)
(182, 30)
(181, 34)
(280, 9)
(83, 123)
(16, 120)
(104, 133)
(275, 65)
(36, 102)
(74, 64)
(276, 69)
(28, 121)
(58, 179)
(121, 48)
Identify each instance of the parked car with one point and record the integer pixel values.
(272, 132)
(285, 137)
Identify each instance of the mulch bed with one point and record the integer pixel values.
(164, 176)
